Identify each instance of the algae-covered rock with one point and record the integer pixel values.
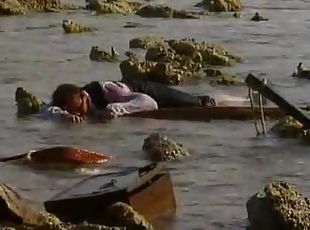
(211, 54)
(176, 61)
(287, 127)
(27, 103)
(100, 55)
(13, 7)
(113, 6)
(125, 215)
(280, 207)
(162, 72)
(220, 5)
(161, 147)
(257, 18)
(70, 26)
(146, 42)
(162, 11)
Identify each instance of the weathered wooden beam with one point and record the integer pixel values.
(207, 113)
(284, 105)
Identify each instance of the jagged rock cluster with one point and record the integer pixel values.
(15, 7)
(174, 61)
(160, 147)
(280, 207)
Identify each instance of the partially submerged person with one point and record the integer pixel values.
(109, 99)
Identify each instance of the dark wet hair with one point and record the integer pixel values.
(62, 92)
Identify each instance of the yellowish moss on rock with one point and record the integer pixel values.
(100, 55)
(161, 11)
(113, 6)
(70, 26)
(146, 42)
(14, 7)
(221, 5)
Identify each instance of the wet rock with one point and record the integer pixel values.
(113, 6)
(220, 5)
(137, 25)
(70, 26)
(301, 72)
(162, 11)
(13, 7)
(146, 42)
(100, 55)
(14, 209)
(161, 147)
(125, 215)
(176, 61)
(163, 72)
(211, 54)
(280, 207)
(257, 18)
(17, 213)
(27, 103)
(217, 77)
(287, 127)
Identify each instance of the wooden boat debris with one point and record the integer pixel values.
(284, 105)
(148, 190)
(208, 113)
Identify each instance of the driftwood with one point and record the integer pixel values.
(60, 154)
(285, 106)
(207, 113)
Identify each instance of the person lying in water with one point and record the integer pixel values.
(110, 99)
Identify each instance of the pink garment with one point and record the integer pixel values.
(115, 91)
(122, 101)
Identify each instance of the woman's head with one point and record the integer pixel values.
(72, 98)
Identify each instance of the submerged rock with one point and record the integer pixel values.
(257, 18)
(100, 55)
(146, 42)
(161, 147)
(161, 11)
(113, 6)
(27, 103)
(217, 77)
(220, 5)
(70, 26)
(280, 207)
(13, 7)
(287, 127)
(125, 215)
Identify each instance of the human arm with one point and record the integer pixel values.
(57, 114)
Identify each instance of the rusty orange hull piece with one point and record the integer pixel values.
(61, 154)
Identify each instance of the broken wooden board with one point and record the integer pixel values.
(148, 190)
(285, 106)
(208, 113)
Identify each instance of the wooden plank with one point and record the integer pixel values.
(207, 113)
(284, 105)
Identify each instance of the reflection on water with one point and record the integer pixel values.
(228, 163)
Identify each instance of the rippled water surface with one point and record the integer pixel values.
(228, 163)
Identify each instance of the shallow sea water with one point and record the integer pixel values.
(228, 163)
